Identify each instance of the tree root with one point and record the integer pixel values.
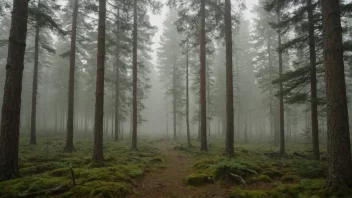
(239, 178)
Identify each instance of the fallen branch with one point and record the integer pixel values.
(239, 178)
(56, 190)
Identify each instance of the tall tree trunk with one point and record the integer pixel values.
(271, 110)
(117, 85)
(33, 138)
(229, 82)
(71, 82)
(203, 110)
(167, 117)
(187, 96)
(99, 101)
(11, 106)
(281, 97)
(174, 94)
(134, 80)
(245, 128)
(339, 145)
(56, 117)
(313, 81)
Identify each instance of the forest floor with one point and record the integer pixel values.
(163, 168)
(169, 181)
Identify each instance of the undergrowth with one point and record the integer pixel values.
(254, 174)
(45, 166)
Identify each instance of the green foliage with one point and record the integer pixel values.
(289, 178)
(264, 178)
(309, 168)
(223, 168)
(197, 179)
(273, 173)
(44, 167)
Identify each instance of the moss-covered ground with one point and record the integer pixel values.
(165, 168)
(258, 171)
(45, 166)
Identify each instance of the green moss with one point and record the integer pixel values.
(273, 173)
(60, 172)
(264, 178)
(157, 159)
(222, 167)
(98, 189)
(309, 168)
(313, 184)
(289, 178)
(239, 193)
(197, 179)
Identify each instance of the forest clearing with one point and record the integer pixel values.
(176, 98)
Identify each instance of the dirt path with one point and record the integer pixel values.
(168, 182)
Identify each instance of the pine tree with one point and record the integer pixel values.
(171, 67)
(99, 101)
(69, 139)
(11, 108)
(229, 83)
(339, 146)
(44, 17)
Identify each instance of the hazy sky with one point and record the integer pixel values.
(157, 20)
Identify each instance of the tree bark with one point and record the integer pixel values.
(11, 106)
(33, 137)
(117, 85)
(134, 80)
(281, 97)
(71, 84)
(99, 101)
(339, 145)
(229, 82)
(187, 96)
(203, 104)
(174, 95)
(271, 110)
(313, 82)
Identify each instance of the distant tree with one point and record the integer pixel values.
(263, 38)
(99, 101)
(276, 6)
(44, 17)
(171, 67)
(339, 145)
(11, 108)
(141, 6)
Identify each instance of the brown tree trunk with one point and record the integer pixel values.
(71, 82)
(33, 137)
(313, 81)
(56, 117)
(245, 128)
(174, 95)
(117, 85)
(229, 82)
(134, 80)
(187, 96)
(271, 109)
(339, 145)
(281, 97)
(99, 101)
(11, 106)
(203, 104)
